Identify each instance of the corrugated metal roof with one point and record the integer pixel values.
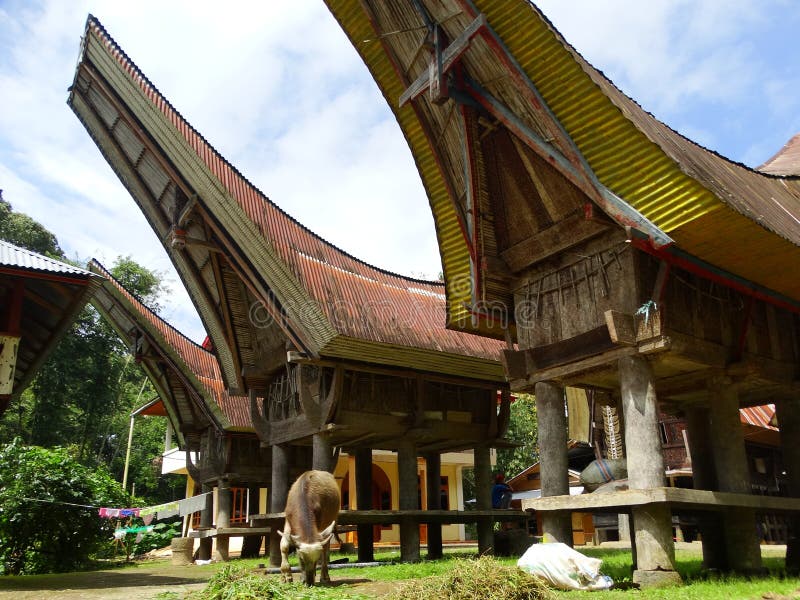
(786, 161)
(313, 277)
(759, 416)
(199, 362)
(14, 256)
(739, 220)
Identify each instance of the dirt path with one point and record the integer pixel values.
(141, 581)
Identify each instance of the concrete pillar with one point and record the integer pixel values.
(223, 517)
(551, 413)
(652, 524)
(206, 522)
(251, 545)
(433, 481)
(483, 497)
(409, 494)
(733, 475)
(277, 497)
(788, 412)
(322, 453)
(366, 540)
(704, 478)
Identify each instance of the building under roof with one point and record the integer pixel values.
(237, 251)
(609, 251)
(550, 125)
(331, 351)
(40, 299)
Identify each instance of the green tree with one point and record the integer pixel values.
(148, 286)
(83, 395)
(19, 229)
(524, 430)
(48, 521)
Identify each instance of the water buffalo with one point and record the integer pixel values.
(311, 510)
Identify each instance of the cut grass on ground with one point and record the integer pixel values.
(149, 579)
(349, 583)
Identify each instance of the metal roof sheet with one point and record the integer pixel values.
(759, 416)
(198, 361)
(14, 256)
(741, 221)
(786, 161)
(314, 277)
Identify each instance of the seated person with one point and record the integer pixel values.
(501, 492)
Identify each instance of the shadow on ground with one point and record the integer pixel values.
(123, 578)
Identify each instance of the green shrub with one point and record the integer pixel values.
(160, 537)
(40, 532)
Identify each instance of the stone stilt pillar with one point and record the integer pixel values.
(277, 497)
(788, 412)
(703, 478)
(223, 517)
(652, 524)
(409, 494)
(433, 486)
(483, 497)
(733, 475)
(366, 539)
(251, 544)
(556, 526)
(624, 527)
(322, 453)
(206, 522)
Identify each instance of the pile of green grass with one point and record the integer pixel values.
(233, 582)
(481, 579)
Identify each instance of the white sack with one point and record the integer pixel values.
(564, 568)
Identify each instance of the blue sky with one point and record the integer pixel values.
(279, 91)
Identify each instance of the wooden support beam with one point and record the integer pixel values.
(562, 235)
(14, 307)
(621, 328)
(443, 63)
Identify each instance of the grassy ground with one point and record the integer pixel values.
(163, 581)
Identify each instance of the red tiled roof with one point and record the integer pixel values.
(360, 301)
(202, 365)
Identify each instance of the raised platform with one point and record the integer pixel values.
(229, 532)
(676, 498)
(394, 517)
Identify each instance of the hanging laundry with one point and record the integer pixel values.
(191, 505)
(170, 509)
(148, 518)
(129, 512)
(121, 532)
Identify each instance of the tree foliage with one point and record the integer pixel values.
(524, 430)
(40, 529)
(83, 395)
(19, 229)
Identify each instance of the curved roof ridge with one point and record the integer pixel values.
(610, 81)
(138, 73)
(785, 162)
(118, 283)
(719, 182)
(203, 365)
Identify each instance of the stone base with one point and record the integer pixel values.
(512, 542)
(182, 551)
(656, 579)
